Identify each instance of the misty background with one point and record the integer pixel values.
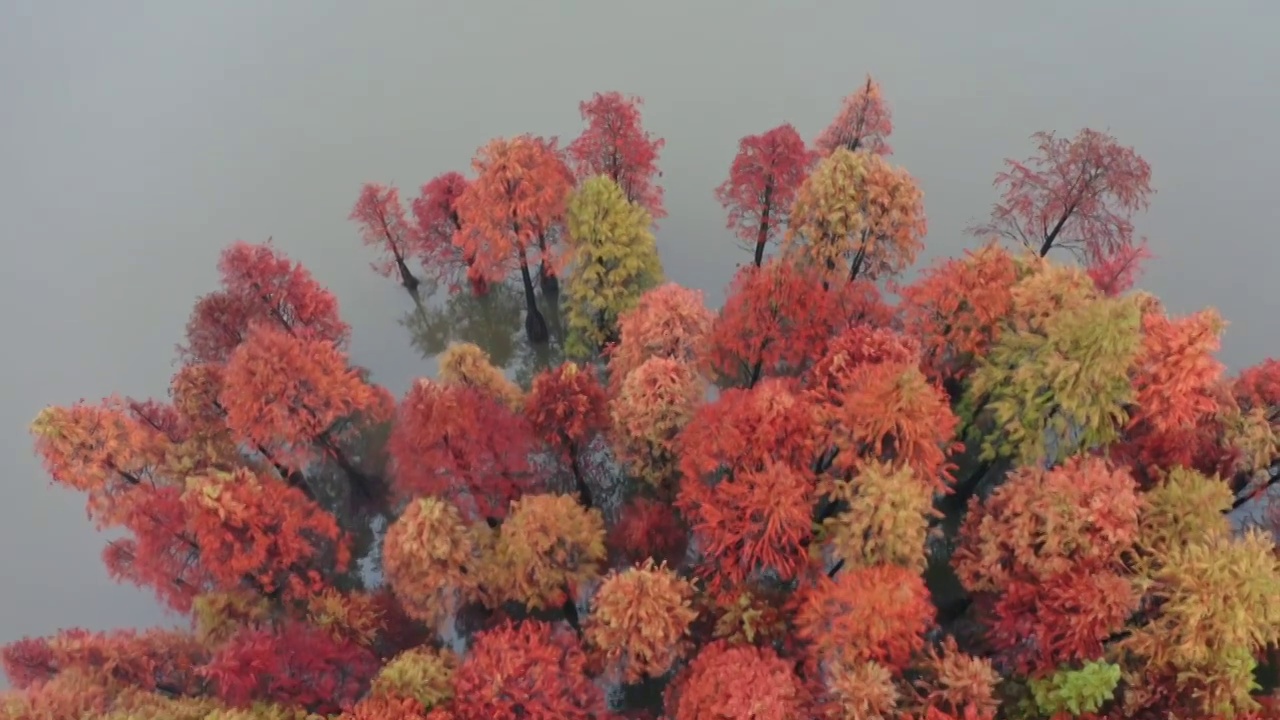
(137, 139)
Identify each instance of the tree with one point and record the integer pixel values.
(439, 225)
(763, 181)
(614, 144)
(383, 225)
(1019, 491)
(260, 284)
(615, 261)
(509, 211)
(863, 124)
(857, 216)
(1078, 194)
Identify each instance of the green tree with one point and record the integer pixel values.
(616, 260)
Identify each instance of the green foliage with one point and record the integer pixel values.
(1066, 381)
(615, 262)
(1076, 691)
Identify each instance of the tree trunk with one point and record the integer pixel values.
(535, 326)
(762, 236)
(407, 278)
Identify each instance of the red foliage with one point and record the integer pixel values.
(567, 407)
(527, 670)
(747, 487)
(864, 123)
(1041, 625)
(436, 212)
(1078, 194)
(777, 319)
(297, 397)
(877, 613)
(383, 225)
(457, 443)
(151, 660)
(616, 145)
(727, 682)
(1258, 386)
(878, 405)
(296, 664)
(266, 531)
(955, 310)
(510, 211)
(1116, 271)
(260, 284)
(647, 528)
(762, 184)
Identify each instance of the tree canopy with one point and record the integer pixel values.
(1001, 488)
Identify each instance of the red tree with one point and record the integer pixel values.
(864, 123)
(762, 184)
(260, 284)
(459, 444)
(1079, 194)
(439, 224)
(383, 225)
(615, 144)
(526, 670)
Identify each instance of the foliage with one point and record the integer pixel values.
(640, 619)
(1018, 491)
(864, 123)
(857, 216)
(614, 144)
(615, 261)
(1076, 691)
(762, 185)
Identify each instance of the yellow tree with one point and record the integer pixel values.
(857, 215)
(615, 261)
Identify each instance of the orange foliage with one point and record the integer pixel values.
(429, 557)
(877, 405)
(525, 671)
(747, 488)
(777, 319)
(546, 549)
(260, 285)
(875, 614)
(728, 682)
(668, 321)
(640, 619)
(1044, 522)
(653, 405)
(295, 396)
(507, 213)
(955, 308)
(265, 531)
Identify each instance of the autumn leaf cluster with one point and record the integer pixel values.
(1009, 487)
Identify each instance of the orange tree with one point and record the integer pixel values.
(1006, 493)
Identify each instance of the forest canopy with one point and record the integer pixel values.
(1003, 488)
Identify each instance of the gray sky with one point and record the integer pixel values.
(138, 138)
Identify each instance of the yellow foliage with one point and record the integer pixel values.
(615, 260)
(1217, 608)
(351, 615)
(218, 615)
(548, 545)
(423, 674)
(887, 520)
(467, 364)
(1062, 379)
(1186, 507)
(857, 216)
